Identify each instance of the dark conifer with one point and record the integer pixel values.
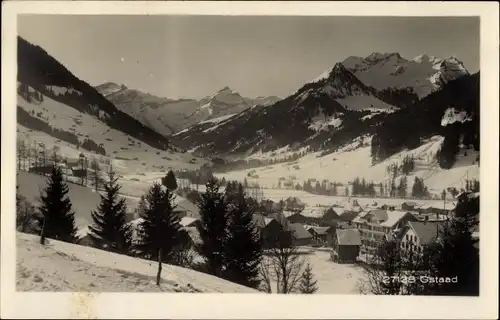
(57, 219)
(170, 181)
(457, 252)
(307, 283)
(213, 206)
(110, 230)
(243, 248)
(160, 229)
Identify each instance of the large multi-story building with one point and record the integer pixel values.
(376, 225)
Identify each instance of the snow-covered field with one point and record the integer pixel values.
(84, 199)
(61, 266)
(350, 162)
(331, 277)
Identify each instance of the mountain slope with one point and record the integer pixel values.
(169, 116)
(330, 110)
(83, 268)
(408, 127)
(336, 108)
(421, 75)
(40, 71)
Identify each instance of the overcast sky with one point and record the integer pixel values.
(194, 56)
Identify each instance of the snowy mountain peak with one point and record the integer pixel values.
(423, 74)
(108, 88)
(224, 91)
(376, 57)
(424, 57)
(332, 73)
(227, 96)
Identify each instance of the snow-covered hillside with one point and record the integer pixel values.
(353, 161)
(424, 74)
(342, 86)
(117, 145)
(81, 268)
(84, 199)
(168, 116)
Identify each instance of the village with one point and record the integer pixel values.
(351, 228)
(339, 235)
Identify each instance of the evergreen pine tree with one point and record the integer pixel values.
(393, 188)
(403, 187)
(57, 219)
(243, 248)
(317, 188)
(170, 181)
(307, 282)
(364, 188)
(110, 230)
(456, 252)
(417, 188)
(213, 224)
(161, 229)
(141, 207)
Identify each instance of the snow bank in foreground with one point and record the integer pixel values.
(61, 266)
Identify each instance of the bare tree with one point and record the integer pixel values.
(390, 264)
(28, 155)
(25, 216)
(283, 262)
(96, 173)
(19, 153)
(55, 159)
(43, 155)
(265, 275)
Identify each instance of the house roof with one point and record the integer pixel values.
(410, 203)
(268, 220)
(185, 204)
(427, 232)
(332, 213)
(318, 230)
(313, 211)
(424, 206)
(281, 218)
(344, 225)
(194, 234)
(299, 232)
(378, 214)
(187, 221)
(387, 218)
(348, 237)
(393, 218)
(258, 220)
(349, 216)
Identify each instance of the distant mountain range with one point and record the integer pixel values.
(353, 98)
(168, 116)
(396, 100)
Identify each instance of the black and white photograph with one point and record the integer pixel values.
(267, 154)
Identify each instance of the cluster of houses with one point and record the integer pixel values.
(349, 229)
(70, 167)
